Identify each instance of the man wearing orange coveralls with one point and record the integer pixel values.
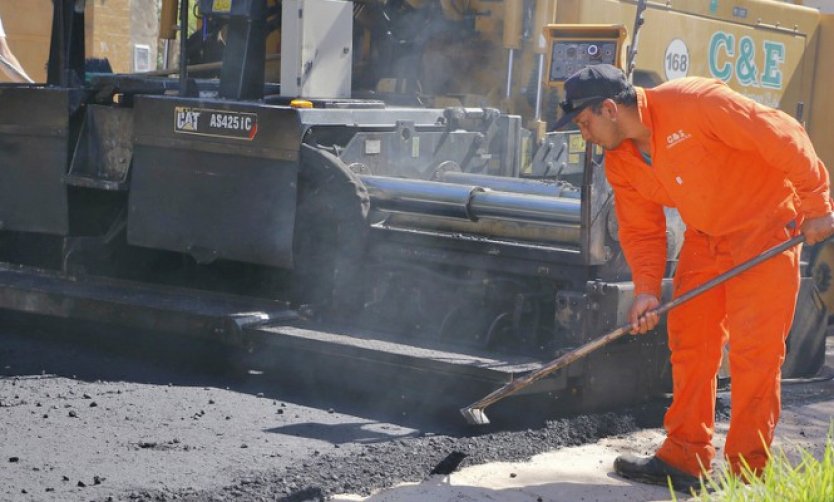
(744, 178)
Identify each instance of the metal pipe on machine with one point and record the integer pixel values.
(517, 231)
(183, 48)
(512, 38)
(418, 196)
(167, 29)
(468, 201)
(509, 184)
(522, 207)
(545, 13)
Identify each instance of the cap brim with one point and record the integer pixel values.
(564, 119)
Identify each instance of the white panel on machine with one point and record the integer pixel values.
(316, 48)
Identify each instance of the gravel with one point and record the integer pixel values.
(413, 459)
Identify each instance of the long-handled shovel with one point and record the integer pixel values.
(474, 413)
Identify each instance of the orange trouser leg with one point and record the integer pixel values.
(696, 337)
(756, 309)
(760, 308)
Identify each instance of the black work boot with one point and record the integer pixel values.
(655, 471)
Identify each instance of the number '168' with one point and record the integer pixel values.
(677, 62)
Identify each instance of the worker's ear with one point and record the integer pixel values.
(610, 109)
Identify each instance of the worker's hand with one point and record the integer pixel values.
(818, 229)
(642, 321)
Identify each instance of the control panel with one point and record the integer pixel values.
(573, 47)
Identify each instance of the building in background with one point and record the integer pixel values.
(125, 32)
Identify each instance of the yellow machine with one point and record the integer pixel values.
(769, 50)
(772, 51)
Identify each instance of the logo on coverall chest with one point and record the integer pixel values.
(676, 138)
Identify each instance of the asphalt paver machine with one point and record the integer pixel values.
(336, 228)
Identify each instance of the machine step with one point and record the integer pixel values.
(165, 308)
(267, 329)
(429, 357)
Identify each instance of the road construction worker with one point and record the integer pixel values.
(8, 62)
(744, 178)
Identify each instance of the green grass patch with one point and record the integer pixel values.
(808, 480)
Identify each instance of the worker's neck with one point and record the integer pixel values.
(634, 129)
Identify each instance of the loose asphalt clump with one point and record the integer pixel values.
(376, 466)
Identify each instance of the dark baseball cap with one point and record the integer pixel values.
(590, 85)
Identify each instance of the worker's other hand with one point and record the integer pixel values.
(640, 315)
(818, 229)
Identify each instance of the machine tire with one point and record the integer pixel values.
(331, 232)
(805, 346)
(821, 269)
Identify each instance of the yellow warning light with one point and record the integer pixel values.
(301, 103)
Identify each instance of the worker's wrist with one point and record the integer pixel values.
(647, 289)
(816, 206)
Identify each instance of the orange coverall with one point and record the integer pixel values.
(742, 176)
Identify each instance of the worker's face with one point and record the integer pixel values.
(601, 127)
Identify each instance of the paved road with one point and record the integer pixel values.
(81, 423)
(93, 414)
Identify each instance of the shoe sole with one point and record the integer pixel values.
(650, 480)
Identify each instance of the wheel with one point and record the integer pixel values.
(330, 233)
(805, 346)
(821, 268)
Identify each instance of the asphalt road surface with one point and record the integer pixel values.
(91, 413)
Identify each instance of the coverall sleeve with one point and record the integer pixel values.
(642, 231)
(744, 124)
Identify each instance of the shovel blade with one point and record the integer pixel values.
(474, 416)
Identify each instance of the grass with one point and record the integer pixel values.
(809, 480)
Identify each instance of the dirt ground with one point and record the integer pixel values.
(82, 423)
